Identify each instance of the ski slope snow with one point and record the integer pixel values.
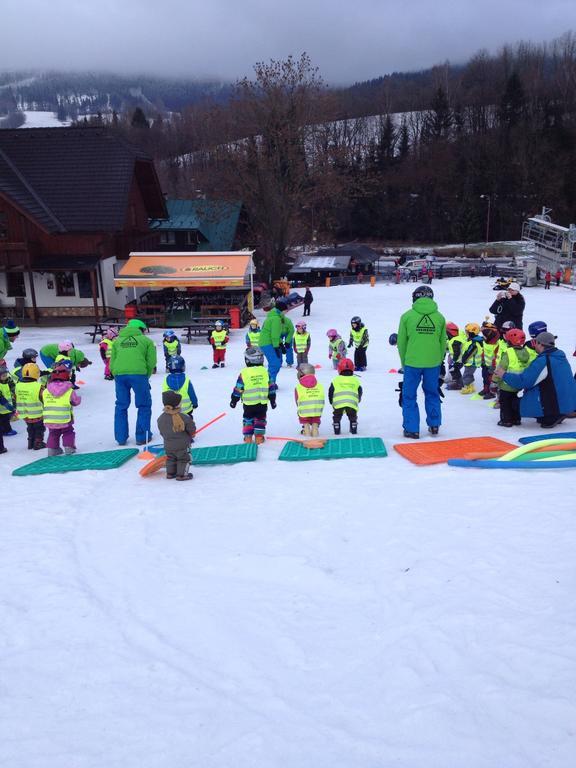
(346, 614)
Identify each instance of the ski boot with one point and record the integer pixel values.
(314, 430)
(222, 365)
(30, 443)
(336, 426)
(171, 476)
(248, 438)
(307, 430)
(187, 476)
(55, 451)
(259, 439)
(412, 435)
(11, 432)
(454, 385)
(433, 430)
(353, 427)
(505, 423)
(38, 445)
(469, 389)
(215, 365)
(69, 450)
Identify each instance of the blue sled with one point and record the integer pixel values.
(551, 436)
(495, 464)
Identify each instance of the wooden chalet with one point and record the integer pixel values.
(73, 203)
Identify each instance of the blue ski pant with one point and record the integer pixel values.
(429, 377)
(274, 360)
(289, 354)
(125, 383)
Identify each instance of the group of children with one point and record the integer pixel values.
(43, 399)
(486, 347)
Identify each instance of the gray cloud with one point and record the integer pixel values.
(348, 41)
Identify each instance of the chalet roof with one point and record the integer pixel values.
(216, 220)
(76, 179)
(362, 254)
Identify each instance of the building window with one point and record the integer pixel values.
(15, 284)
(64, 284)
(3, 225)
(167, 238)
(85, 286)
(192, 237)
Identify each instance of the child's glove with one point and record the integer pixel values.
(283, 348)
(349, 345)
(233, 403)
(400, 383)
(273, 403)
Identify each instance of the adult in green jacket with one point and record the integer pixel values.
(8, 334)
(276, 326)
(422, 346)
(132, 362)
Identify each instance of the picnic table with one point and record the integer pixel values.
(102, 326)
(197, 330)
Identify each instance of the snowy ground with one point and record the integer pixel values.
(36, 119)
(354, 614)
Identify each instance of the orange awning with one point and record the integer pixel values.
(229, 269)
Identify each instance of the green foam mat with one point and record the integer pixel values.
(77, 462)
(345, 448)
(224, 454)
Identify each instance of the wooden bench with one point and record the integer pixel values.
(198, 330)
(101, 328)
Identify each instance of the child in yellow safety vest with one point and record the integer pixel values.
(344, 395)
(7, 408)
(253, 334)
(255, 388)
(470, 357)
(491, 350)
(106, 351)
(301, 342)
(310, 399)
(170, 345)
(336, 347)
(58, 399)
(218, 339)
(177, 381)
(515, 358)
(29, 392)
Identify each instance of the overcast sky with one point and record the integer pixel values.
(348, 40)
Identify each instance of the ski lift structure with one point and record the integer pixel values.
(553, 245)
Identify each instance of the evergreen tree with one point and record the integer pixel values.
(139, 119)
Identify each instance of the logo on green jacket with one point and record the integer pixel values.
(425, 325)
(129, 342)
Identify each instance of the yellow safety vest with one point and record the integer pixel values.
(108, 351)
(171, 347)
(346, 392)
(515, 365)
(301, 341)
(461, 339)
(57, 410)
(335, 346)
(28, 400)
(218, 339)
(310, 400)
(185, 404)
(357, 335)
(7, 393)
(256, 383)
(476, 358)
(491, 353)
(254, 338)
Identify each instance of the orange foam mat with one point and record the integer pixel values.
(439, 451)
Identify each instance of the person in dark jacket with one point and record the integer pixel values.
(177, 430)
(509, 305)
(549, 388)
(308, 299)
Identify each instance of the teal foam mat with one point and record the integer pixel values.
(224, 454)
(345, 448)
(77, 462)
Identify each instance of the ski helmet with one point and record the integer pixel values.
(3, 368)
(168, 334)
(302, 326)
(65, 346)
(538, 326)
(29, 354)
(472, 328)
(254, 356)
(423, 292)
(516, 337)
(345, 365)
(30, 371)
(111, 333)
(452, 330)
(218, 324)
(254, 323)
(305, 369)
(67, 364)
(356, 320)
(176, 364)
(508, 325)
(61, 372)
(332, 333)
(393, 339)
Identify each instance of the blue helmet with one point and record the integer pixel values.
(168, 334)
(538, 326)
(176, 364)
(393, 339)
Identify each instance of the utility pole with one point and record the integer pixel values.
(489, 198)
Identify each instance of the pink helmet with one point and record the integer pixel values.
(65, 346)
(111, 333)
(331, 333)
(301, 325)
